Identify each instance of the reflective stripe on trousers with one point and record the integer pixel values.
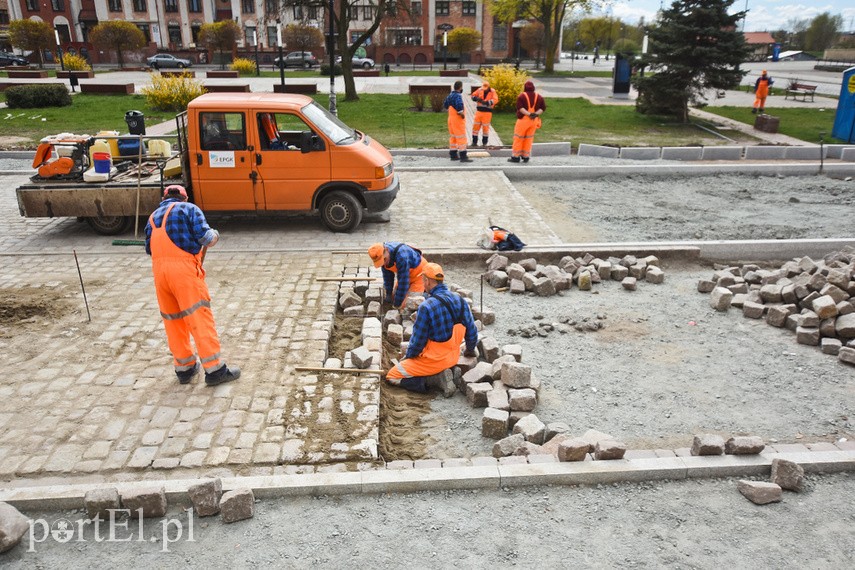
(436, 357)
(481, 122)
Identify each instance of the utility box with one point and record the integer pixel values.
(844, 118)
(767, 123)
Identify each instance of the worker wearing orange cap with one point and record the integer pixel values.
(402, 261)
(530, 106)
(176, 237)
(485, 99)
(443, 322)
(761, 91)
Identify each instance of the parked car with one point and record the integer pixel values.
(363, 62)
(304, 59)
(166, 60)
(7, 58)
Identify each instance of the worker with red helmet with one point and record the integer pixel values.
(177, 236)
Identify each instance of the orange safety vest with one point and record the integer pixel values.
(416, 284)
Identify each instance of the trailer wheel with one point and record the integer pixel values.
(341, 211)
(109, 225)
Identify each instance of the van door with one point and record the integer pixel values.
(223, 164)
(290, 173)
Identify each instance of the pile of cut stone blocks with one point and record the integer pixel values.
(528, 275)
(813, 299)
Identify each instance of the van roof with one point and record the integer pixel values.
(237, 101)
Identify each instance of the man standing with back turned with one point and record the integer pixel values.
(456, 124)
(177, 236)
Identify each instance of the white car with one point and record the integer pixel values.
(363, 62)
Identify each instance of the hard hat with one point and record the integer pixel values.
(486, 85)
(175, 189)
(375, 252)
(433, 271)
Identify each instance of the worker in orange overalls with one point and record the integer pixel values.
(443, 322)
(485, 99)
(761, 91)
(176, 237)
(530, 106)
(402, 261)
(456, 124)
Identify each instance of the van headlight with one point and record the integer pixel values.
(383, 171)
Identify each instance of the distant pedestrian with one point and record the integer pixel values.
(456, 124)
(596, 54)
(485, 99)
(386, 69)
(530, 106)
(761, 91)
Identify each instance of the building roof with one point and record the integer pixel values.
(755, 38)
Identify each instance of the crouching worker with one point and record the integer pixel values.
(443, 321)
(402, 261)
(176, 237)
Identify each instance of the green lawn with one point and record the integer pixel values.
(804, 124)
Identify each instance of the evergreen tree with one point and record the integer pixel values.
(695, 47)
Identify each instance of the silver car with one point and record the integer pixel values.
(363, 62)
(166, 60)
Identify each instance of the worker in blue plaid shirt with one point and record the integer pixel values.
(443, 321)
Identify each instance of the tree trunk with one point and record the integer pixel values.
(119, 57)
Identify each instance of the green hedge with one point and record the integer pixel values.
(325, 69)
(31, 96)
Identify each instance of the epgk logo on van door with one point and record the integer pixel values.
(222, 159)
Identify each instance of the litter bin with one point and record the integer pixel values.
(136, 122)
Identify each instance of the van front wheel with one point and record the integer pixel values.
(109, 225)
(341, 211)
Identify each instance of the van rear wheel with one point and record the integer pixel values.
(109, 225)
(341, 211)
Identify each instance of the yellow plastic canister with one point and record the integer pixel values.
(160, 148)
(114, 143)
(100, 145)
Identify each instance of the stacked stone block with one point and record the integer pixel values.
(583, 272)
(813, 299)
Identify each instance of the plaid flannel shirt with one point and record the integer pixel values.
(186, 226)
(405, 258)
(434, 322)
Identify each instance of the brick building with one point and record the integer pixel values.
(413, 37)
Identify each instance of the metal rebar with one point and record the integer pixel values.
(80, 275)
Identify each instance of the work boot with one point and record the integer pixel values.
(484, 141)
(185, 376)
(474, 140)
(464, 157)
(514, 159)
(453, 155)
(761, 111)
(525, 159)
(754, 111)
(442, 382)
(222, 375)
(416, 384)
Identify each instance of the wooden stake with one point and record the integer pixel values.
(347, 279)
(338, 370)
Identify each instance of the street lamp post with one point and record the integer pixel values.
(255, 41)
(444, 50)
(281, 55)
(59, 49)
(331, 50)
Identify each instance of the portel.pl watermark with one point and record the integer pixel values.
(119, 526)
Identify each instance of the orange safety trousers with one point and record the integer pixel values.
(456, 130)
(184, 301)
(761, 94)
(523, 137)
(416, 283)
(481, 122)
(436, 357)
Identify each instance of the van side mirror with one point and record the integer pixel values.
(309, 141)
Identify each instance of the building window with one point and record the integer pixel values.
(194, 5)
(146, 30)
(4, 16)
(271, 36)
(175, 36)
(170, 5)
(368, 11)
(416, 8)
(442, 8)
(57, 5)
(404, 37)
(247, 7)
(468, 8)
(500, 36)
(115, 5)
(298, 12)
(32, 5)
(313, 12)
(271, 6)
(140, 5)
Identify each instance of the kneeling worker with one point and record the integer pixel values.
(442, 322)
(403, 261)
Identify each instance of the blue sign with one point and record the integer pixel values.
(844, 118)
(776, 51)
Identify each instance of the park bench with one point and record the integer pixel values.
(126, 88)
(802, 89)
(177, 73)
(26, 73)
(366, 73)
(454, 73)
(222, 74)
(428, 89)
(304, 88)
(78, 74)
(228, 88)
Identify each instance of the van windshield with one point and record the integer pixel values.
(329, 124)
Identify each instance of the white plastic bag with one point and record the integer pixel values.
(485, 239)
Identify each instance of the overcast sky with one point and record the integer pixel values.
(763, 15)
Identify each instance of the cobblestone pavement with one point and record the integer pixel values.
(99, 398)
